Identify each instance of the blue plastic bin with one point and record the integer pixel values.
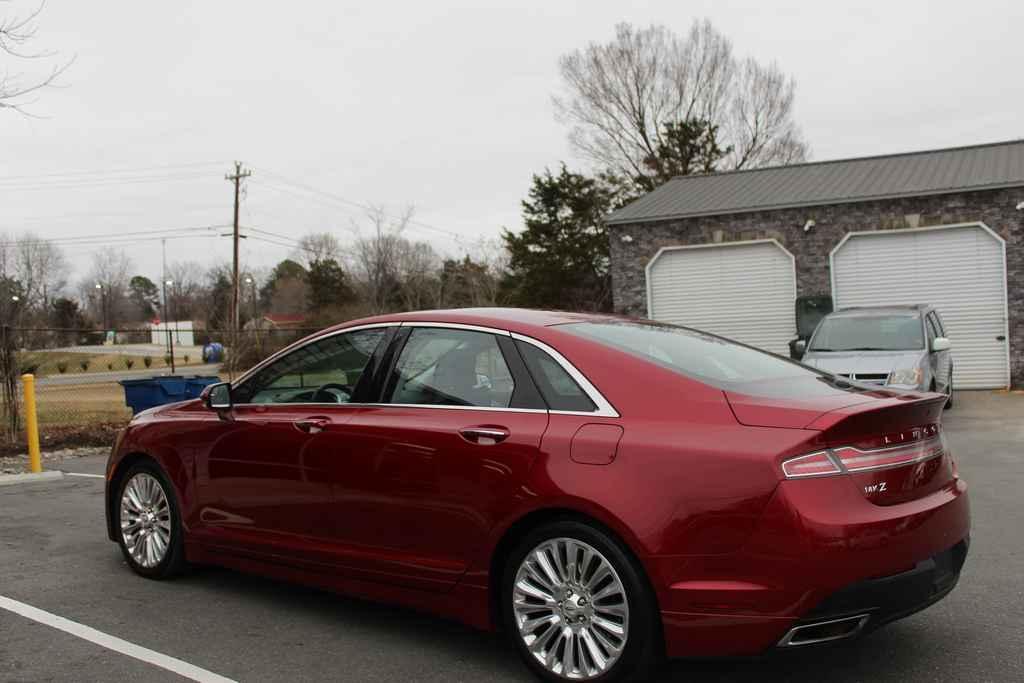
(140, 394)
(195, 384)
(213, 352)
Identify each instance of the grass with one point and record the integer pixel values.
(81, 404)
(48, 362)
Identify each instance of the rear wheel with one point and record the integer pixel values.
(149, 524)
(578, 607)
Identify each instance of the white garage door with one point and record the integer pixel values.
(959, 270)
(743, 291)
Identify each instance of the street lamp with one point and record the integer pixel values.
(103, 307)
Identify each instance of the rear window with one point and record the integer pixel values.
(714, 360)
(560, 391)
(868, 333)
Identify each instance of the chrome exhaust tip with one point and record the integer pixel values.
(824, 631)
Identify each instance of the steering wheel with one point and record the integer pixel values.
(332, 392)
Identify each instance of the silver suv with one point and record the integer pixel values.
(900, 347)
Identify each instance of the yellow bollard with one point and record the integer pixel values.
(31, 423)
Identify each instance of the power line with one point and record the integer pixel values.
(95, 172)
(154, 234)
(273, 234)
(104, 182)
(366, 207)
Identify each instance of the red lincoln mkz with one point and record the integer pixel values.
(603, 490)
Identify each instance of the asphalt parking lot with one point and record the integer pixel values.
(54, 556)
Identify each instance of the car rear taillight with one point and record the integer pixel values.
(810, 465)
(889, 450)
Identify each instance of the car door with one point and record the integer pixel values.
(265, 482)
(431, 466)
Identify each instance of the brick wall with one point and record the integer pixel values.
(634, 245)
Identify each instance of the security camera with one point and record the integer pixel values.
(626, 238)
(808, 225)
(1020, 207)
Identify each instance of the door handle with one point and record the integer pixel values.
(484, 436)
(312, 425)
(1001, 337)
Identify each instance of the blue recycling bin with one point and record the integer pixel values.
(141, 394)
(213, 352)
(195, 384)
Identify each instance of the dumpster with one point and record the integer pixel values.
(140, 394)
(195, 384)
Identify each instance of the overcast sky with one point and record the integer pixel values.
(442, 105)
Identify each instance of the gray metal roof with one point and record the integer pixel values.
(940, 171)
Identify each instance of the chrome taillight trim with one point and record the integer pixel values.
(836, 468)
(933, 447)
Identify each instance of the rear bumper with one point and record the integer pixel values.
(866, 605)
(820, 552)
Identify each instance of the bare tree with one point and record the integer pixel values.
(16, 32)
(375, 256)
(417, 271)
(106, 285)
(620, 95)
(185, 291)
(40, 267)
(317, 246)
(492, 255)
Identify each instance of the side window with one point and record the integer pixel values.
(448, 367)
(324, 371)
(558, 388)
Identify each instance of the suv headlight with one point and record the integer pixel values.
(907, 377)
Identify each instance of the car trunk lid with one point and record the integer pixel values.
(890, 445)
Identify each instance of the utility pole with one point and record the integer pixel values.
(236, 178)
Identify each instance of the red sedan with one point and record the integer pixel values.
(603, 490)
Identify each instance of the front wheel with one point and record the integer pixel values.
(578, 607)
(149, 524)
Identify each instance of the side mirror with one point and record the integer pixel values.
(800, 346)
(941, 344)
(218, 396)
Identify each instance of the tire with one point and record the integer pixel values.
(622, 600)
(949, 401)
(156, 549)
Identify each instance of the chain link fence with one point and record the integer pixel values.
(78, 372)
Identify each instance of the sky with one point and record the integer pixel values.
(442, 106)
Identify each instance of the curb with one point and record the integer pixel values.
(29, 477)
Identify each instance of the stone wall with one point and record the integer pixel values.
(633, 245)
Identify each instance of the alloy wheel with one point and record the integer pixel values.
(145, 520)
(571, 609)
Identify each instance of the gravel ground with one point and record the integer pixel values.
(52, 460)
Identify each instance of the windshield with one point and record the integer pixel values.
(714, 360)
(869, 333)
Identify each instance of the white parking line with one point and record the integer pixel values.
(112, 642)
(83, 474)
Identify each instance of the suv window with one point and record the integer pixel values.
(559, 389)
(450, 367)
(323, 371)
